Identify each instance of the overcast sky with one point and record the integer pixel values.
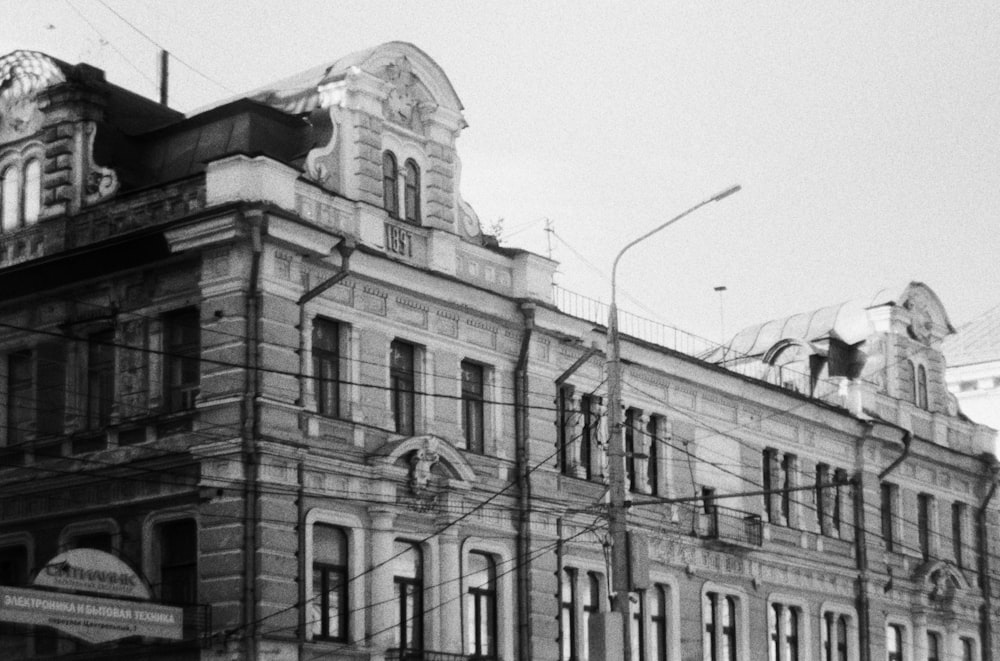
(865, 135)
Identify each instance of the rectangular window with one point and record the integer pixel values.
(567, 615)
(20, 397)
(893, 642)
(182, 346)
(589, 405)
(824, 501)
(51, 388)
(329, 588)
(652, 468)
(178, 556)
(933, 646)
(481, 606)
(473, 424)
(888, 511)
(788, 466)
(968, 645)
(784, 637)
(408, 590)
(402, 383)
(771, 469)
(925, 505)
(100, 378)
(326, 366)
(631, 449)
(566, 427)
(638, 628)
(834, 636)
(840, 494)
(958, 533)
(720, 635)
(659, 598)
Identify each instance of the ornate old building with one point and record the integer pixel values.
(269, 392)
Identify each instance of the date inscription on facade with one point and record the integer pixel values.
(399, 241)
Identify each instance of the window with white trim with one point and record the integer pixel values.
(894, 642)
(836, 636)
(481, 606)
(20, 193)
(568, 650)
(785, 636)
(720, 634)
(329, 599)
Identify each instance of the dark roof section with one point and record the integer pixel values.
(240, 127)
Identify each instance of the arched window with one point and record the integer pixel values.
(912, 392)
(10, 193)
(412, 192)
(329, 587)
(922, 387)
(408, 588)
(481, 606)
(390, 179)
(32, 191)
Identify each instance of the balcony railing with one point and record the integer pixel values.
(733, 526)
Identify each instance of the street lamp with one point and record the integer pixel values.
(620, 578)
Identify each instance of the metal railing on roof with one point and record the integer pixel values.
(689, 344)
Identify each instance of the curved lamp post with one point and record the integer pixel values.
(620, 578)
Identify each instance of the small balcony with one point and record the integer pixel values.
(732, 527)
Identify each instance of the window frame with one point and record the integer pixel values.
(327, 571)
(408, 594)
(719, 604)
(568, 648)
(478, 600)
(354, 528)
(403, 387)
(100, 379)
(888, 509)
(326, 366)
(473, 403)
(152, 547)
(897, 632)
(182, 359)
(925, 525)
(411, 192)
(390, 183)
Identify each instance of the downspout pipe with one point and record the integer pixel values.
(521, 434)
(907, 442)
(986, 618)
(251, 433)
(861, 553)
(346, 249)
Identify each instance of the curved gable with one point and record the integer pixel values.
(928, 318)
(397, 60)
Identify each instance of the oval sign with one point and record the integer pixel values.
(90, 570)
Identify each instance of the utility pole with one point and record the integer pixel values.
(621, 581)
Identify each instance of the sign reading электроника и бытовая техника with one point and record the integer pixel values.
(116, 607)
(93, 619)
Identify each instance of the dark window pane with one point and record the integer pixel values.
(326, 366)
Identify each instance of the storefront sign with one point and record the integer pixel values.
(93, 619)
(90, 570)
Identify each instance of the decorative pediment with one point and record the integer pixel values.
(941, 582)
(425, 458)
(927, 319)
(408, 102)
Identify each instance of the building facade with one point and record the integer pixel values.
(265, 356)
(973, 356)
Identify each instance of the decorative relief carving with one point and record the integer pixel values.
(407, 102)
(322, 164)
(101, 182)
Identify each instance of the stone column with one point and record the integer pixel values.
(383, 605)
(450, 613)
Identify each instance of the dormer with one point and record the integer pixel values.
(385, 122)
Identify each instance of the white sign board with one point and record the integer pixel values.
(93, 619)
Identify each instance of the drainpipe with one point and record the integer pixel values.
(861, 553)
(346, 249)
(251, 432)
(861, 534)
(986, 616)
(521, 429)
